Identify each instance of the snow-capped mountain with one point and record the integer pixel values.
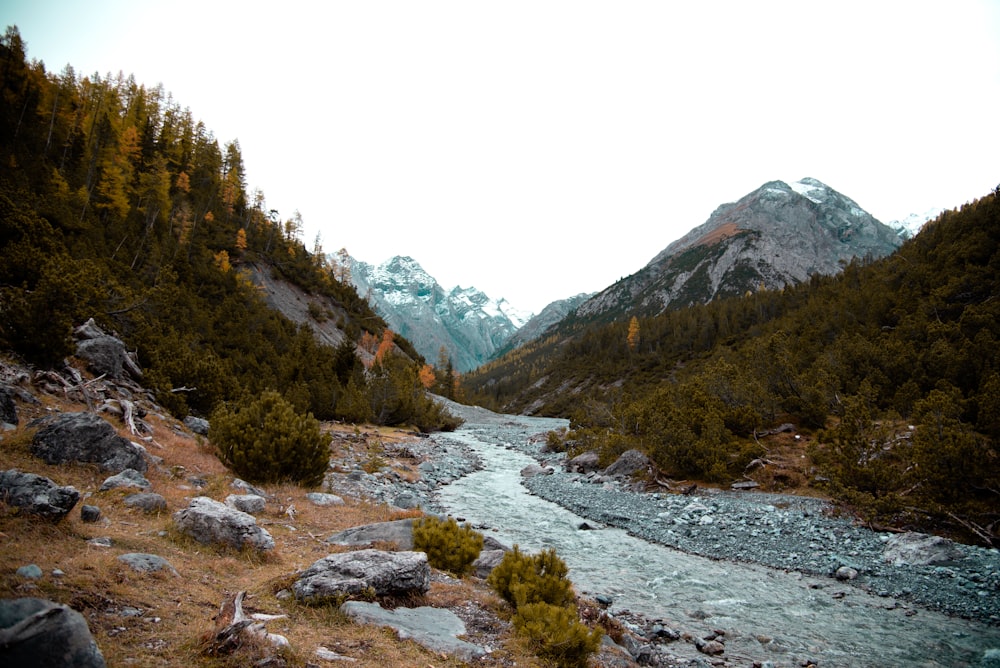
(470, 325)
(777, 235)
(913, 223)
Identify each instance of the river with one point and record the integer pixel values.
(768, 615)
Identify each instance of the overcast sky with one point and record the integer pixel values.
(540, 149)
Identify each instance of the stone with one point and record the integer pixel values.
(8, 409)
(211, 522)
(486, 562)
(628, 464)
(30, 572)
(364, 572)
(146, 563)
(37, 494)
(147, 502)
(437, 629)
(101, 541)
(247, 503)
(584, 463)
(197, 425)
(127, 478)
(247, 488)
(744, 484)
(399, 532)
(918, 549)
(90, 514)
(85, 437)
(323, 499)
(105, 355)
(36, 632)
(408, 501)
(710, 647)
(531, 470)
(845, 573)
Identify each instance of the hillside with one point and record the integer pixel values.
(853, 359)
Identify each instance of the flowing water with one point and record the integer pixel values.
(767, 614)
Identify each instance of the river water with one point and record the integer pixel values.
(786, 618)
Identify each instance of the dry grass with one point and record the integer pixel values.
(160, 619)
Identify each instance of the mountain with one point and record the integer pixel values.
(550, 315)
(778, 235)
(471, 326)
(907, 227)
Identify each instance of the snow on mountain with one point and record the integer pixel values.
(469, 324)
(909, 226)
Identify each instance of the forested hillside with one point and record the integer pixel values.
(890, 368)
(117, 204)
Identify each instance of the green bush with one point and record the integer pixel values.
(265, 440)
(522, 579)
(555, 633)
(449, 547)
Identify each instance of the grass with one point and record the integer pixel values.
(176, 613)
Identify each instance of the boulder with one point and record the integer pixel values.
(197, 425)
(919, 549)
(36, 632)
(399, 532)
(323, 499)
(247, 503)
(147, 502)
(90, 514)
(104, 355)
(246, 488)
(208, 521)
(37, 494)
(486, 562)
(127, 478)
(437, 629)
(531, 470)
(84, 437)
(584, 463)
(363, 572)
(8, 410)
(628, 464)
(146, 563)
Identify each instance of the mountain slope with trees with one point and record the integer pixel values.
(853, 360)
(116, 204)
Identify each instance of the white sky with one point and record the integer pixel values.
(539, 149)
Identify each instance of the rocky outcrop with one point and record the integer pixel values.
(37, 494)
(8, 409)
(399, 532)
(436, 629)
(208, 521)
(918, 549)
(36, 632)
(365, 572)
(105, 355)
(87, 438)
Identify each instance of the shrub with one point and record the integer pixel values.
(265, 440)
(449, 547)
(555, 633)
(522, 579)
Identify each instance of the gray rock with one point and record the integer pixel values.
(247, 488)
(436, 629)
(37, 494)
(584, 463)
(918, 549)
(8, 410)
(744, 484)
(362, 572)
(247, 503)
(101, 541)
(486, 562)
(105, 355)
(36, 632)
(127, 478)
(399, 532)
(845, 573)
(628, 464)
(90, 514)
(147, 502)
(408, 500)
(323, 499)
(146, 563)
(85, 437)
(197, 425)
(208, 521)
(31, 572)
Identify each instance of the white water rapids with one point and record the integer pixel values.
(767, 614)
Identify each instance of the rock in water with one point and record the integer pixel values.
(36, 632)
(364, 571)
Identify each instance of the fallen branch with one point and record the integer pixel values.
(234, 628)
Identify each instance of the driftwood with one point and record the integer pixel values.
(233, 628)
